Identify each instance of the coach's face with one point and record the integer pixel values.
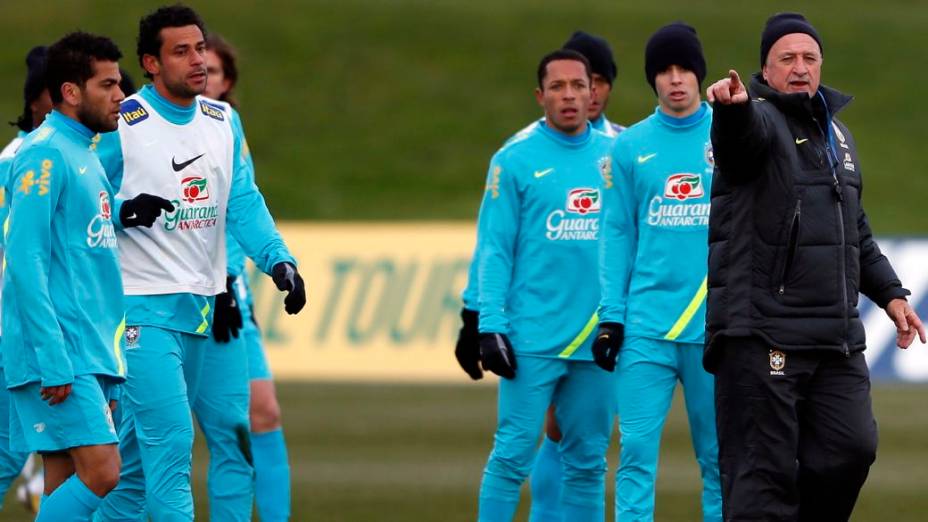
(181, 64)
(794, 64)
(565, 96)
(100, 96)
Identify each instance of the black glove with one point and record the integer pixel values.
(467, 349)
(143, 210)
(607, 344)
(288, 280)
(497, 356)
(227, 318)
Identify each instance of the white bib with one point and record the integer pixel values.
(190, 165)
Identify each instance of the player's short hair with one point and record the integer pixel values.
(562, 54)
(150, 26)
(229, 59)
(71, 59)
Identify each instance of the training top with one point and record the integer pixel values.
(236, 256)
(191, 156)
(537, 234)
(654, 244)
(61, 261)
(469, 294)
(6, 163)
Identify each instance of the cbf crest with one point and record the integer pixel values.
(777, 362)
(132, 336)
(605, 170)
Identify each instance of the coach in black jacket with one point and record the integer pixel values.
(790, 250)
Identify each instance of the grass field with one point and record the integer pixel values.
(372, 109)
(388, 452)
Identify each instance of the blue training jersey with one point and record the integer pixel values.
(469, 294)
(236, 255)
(537, 234)
(654, 244)
(249, 221)
(6, 164)
(61, 261)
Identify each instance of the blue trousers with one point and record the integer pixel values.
(584, 400)
(11, 462)
(156, 427)
(647, 374)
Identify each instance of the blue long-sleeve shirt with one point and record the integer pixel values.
(248, 219)
(654, 243)
(236, 255)
(61, 262)
(469, 294)
(537, 236)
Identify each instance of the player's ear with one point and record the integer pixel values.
(151, 64)
(71, 94)
(539, 96)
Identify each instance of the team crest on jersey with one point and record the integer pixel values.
(132, 112)
(132, 336)
(605, 170)
(684, 186)
(194, 189)
(710, 156)
(216, 112)
(777, 362)
(583, 201)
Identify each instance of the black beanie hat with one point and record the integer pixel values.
(674, 44)
(33, 86)
(597, 52)
(782, 24)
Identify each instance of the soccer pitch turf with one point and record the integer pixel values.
(406, 452)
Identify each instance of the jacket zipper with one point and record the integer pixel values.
(839, 212)
(792, 245)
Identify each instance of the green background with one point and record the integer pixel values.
(374, 109)
(414, 453)
(381, 110)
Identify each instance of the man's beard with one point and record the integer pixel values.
(96, 122)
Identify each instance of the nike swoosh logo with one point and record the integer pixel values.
(543, 173)
(181, 166)
(643, 159)
(82, 170)
(801, 141)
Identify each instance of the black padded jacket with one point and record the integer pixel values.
(790, 248)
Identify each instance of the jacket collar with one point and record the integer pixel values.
(799, 102)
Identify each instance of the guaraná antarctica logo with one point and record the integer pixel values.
(583, 201)
(674, 209)
(100, 230)
(192, 216)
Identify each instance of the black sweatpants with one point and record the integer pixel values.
(796, 431)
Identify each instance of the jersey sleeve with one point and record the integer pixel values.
(38, 181)
(618, 236)
(109, 150)
(235, 254)
(470, 294)
(497, 232)
(248, 218)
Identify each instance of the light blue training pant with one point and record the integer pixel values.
(647, 374)
(11, 462)
(584, 400)
(156, 427)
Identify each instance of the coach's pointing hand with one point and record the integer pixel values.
(497, 355)
(288, 280)
(728, 91)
